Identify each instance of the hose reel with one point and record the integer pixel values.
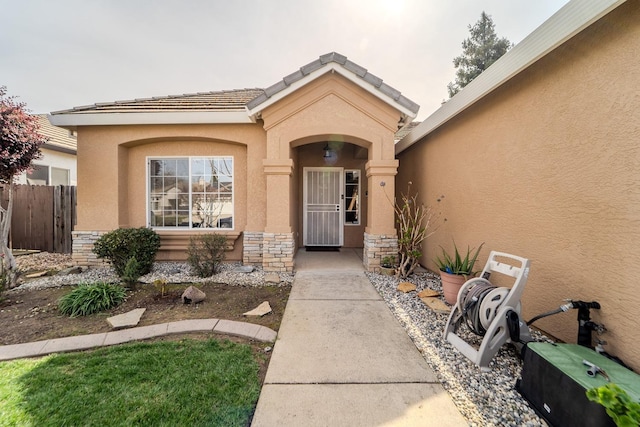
(489, 311)
(480, 303)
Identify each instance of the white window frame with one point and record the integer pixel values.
(190, 227)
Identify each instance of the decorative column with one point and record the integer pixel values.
(278, 240)
(380, 237)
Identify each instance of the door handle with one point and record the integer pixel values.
(337, 208)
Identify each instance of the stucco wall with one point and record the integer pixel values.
(548, 168)
(112, 172)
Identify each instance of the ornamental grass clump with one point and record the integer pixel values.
(91, 298)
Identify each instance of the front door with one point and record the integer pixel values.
(323, 197)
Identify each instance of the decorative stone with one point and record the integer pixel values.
(272, 278)
(243, 269)
(193, 295)
(126, 320)
(36, 275)
(406, 287)
(427, 293)
(71, 270)
(260, 310)
(437, 305)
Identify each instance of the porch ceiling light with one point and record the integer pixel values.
(327, 151)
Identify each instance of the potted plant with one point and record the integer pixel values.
(455, 270)
(388, 265)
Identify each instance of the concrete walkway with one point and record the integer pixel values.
(342, 359)
(84, 342)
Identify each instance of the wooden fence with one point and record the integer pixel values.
(43, 216)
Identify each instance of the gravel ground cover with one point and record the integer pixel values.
(171, 272)
(484, 398)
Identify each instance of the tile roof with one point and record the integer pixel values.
(59, 139)
(334, 57)
(227, 100)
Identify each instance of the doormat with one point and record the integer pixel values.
(322, 248)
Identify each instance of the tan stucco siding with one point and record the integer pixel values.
(112, 189)
(547, 167)
(335, 110)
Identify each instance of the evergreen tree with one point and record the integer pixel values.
(479, 51)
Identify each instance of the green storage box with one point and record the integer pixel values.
(554, 381)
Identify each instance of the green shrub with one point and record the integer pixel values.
(131, 272)
(119, 246)
(205, 253)
(93, 298)
(622, 409)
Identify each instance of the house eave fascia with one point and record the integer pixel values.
(73, 120)
(59, 149)
(255, 113)
(574, 17)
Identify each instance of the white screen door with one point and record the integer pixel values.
(323, 224)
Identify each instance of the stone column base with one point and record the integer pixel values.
(376, 247)
(277, 252)
(252, 244)
(82, 246)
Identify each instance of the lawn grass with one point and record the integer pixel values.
(185, 383)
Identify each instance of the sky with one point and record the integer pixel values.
(56, 55)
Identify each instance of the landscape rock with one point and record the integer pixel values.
(261, 310)
(426, 293)
(193, 295)
(36, 274)
(437, 305)
(71, 270)
(243, 269)
(126, 320)
(272, 278)
(406, 287)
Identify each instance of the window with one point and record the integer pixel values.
(45, 175)
(38, 175)
(191, 192)
(59, 176)
(352, 197)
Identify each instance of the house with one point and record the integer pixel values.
(307, 162)
(540, 157)
(57, 166)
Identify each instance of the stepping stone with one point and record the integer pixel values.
(126, 320)
(426, 293)
(244, 269)
(436, 305)
(260, 310)
(406, 287)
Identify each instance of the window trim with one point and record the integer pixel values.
(190, 227)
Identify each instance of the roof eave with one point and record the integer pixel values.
(332, 67)
(73, 120)
(574, 17)
(58, 148)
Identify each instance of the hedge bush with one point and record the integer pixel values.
(119, 246)
(88, 299)
(205, 253)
